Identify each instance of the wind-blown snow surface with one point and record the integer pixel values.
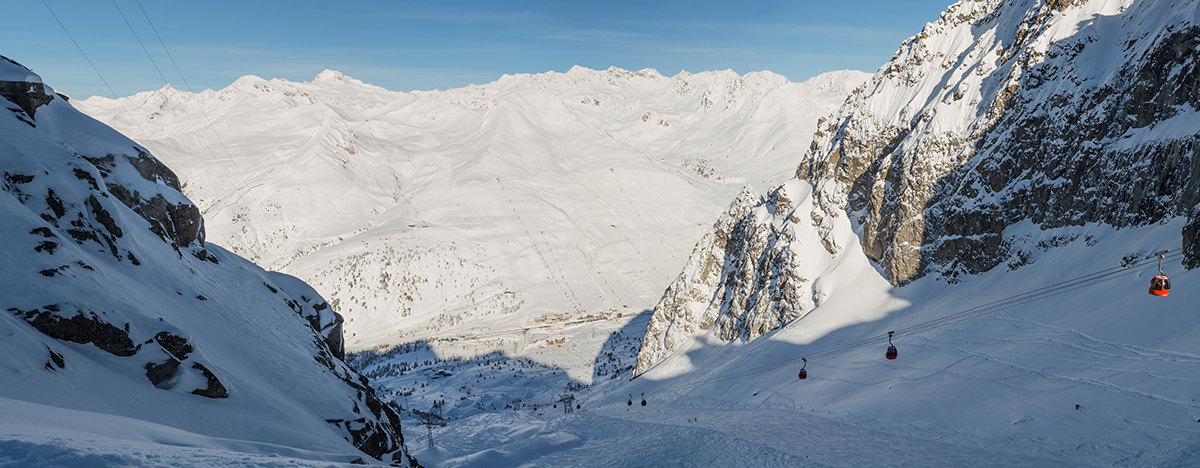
(120, 326)
(430, 213)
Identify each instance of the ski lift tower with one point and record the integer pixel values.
(430, 419)
(568, 401)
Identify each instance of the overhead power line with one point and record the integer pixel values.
(242, 180)
(97, 70)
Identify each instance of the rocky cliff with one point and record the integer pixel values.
(753, 273)
(115, 304)
(1059, 113)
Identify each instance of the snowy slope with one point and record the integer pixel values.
(1007, 381)
(1009, 146)
(996, 390)
(118, 311)
(430, 213)
(1097, 374)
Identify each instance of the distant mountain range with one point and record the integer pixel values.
(433, 213)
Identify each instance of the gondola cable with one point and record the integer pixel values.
(1051, 290)
(97, 70)
(242, 180)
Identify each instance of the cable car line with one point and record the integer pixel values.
(1044, 292)
(242, 182)
(97, 70)
(1160, 285)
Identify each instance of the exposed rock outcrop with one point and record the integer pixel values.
(24, 89)
(753, 273)
(79, 325)
(947, 145)
(1059, 113)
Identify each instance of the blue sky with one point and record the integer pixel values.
(407, 45)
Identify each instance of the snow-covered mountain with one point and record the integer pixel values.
(1008, 148)
(1054, 112)
(768, 262)
(999, 113)
(924, 205)
(449, 213)
(124, 325)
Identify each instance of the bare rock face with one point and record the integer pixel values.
(1002, 111)
(744, 278)
(948, 145)
(79, 326)
(27, 91)
(178, 222)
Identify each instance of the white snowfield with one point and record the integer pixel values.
(446, 213)
(1008, 381)
(470, 211)
(39, 436)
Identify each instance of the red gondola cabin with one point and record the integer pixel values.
(1160, 285)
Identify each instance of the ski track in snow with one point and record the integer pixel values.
(697, 437)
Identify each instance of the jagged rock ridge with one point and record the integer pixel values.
(1062, 113)
(1059, 113)
(753, 273)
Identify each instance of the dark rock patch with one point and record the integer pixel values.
(104, 217)
(176, 345)
(85, 175)
(22, 116)
(214, 389)
(28, 96)
(161, 374)
(80, 328)
(204, 254)
(83, 235)
(55, 204)
(180, 223)
(18, 178)
(46, 246)
(1191, 241)
(55, 359)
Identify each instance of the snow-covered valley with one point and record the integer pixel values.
(452, 213)
(509, 256)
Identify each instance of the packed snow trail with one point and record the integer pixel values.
(694, 437)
